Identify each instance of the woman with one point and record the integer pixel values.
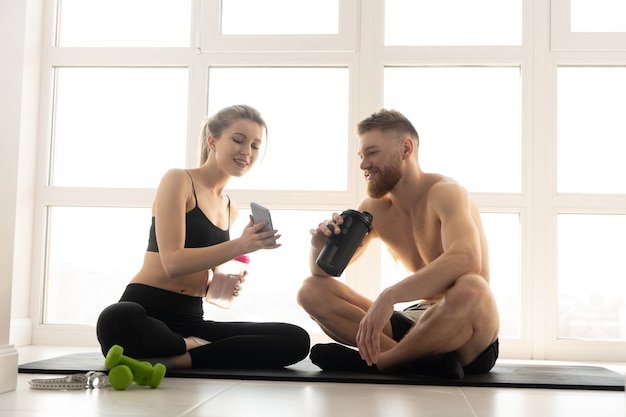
(160, 317)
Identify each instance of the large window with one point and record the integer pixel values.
(453, 22)
(590, 140)
(592, 284)
(499, 91)
(465, 116)
(252, 17)
(98, 140)
(296, 143)
(591, 130)
(121, 23)
(589, 204)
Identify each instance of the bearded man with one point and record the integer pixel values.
(431, 226)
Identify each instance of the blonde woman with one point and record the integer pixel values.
(160, 315)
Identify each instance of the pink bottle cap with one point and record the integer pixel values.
(243, 258)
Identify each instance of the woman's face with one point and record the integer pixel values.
(237, 149)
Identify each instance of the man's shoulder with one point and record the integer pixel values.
(443, 184)
(450, 182)
(434, 187)
(447, 194)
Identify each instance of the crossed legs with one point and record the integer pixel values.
(465, 320)
(207, 344)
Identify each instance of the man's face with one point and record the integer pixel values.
(381, 162)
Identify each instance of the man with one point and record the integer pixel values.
(431, 226)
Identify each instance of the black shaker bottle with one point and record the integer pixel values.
(339, 249)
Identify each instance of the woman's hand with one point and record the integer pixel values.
(252, 239)
(239, 287)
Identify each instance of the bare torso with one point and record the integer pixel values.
(215, 208)
(414, 235)
(153, 274)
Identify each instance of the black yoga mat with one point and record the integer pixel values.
(503, 375)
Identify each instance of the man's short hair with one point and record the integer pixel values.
(388, 121)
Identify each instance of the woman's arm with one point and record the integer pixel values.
(172, 200)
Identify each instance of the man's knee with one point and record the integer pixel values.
(309, 294)
(469, 291)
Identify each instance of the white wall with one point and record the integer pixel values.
(20, 35)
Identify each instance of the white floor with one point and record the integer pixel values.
(230, 398)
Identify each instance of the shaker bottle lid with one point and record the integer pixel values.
(243, 258)
(365, 216)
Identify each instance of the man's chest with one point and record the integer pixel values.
(413, 240)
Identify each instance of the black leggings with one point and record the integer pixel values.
(149, 322)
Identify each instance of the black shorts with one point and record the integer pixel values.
(485, 361)
(401, 324)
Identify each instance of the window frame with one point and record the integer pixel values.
(360, 47)
(563, 39)
(211, 40)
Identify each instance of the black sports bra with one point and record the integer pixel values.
(200, 232)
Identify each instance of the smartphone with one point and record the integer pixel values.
(260, 214)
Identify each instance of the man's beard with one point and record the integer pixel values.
(387, 180)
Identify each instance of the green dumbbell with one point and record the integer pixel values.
(144, 373)
(120, 377)
(141, 379)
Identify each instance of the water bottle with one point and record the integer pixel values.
(225, 279)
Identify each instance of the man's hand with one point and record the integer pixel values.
(326, 229)
(371, 327)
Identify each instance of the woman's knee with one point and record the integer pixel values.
(115, 320)
(300, 339)
(119, 313)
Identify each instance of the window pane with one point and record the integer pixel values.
(591, 130)
(124, 23)
(107, 120)
(453, 22)
(280, 17)
(306, 110)
(274, 276)
(598, 15)
(591, 277)
(503, 234)
(468, 120)
(92, 254)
